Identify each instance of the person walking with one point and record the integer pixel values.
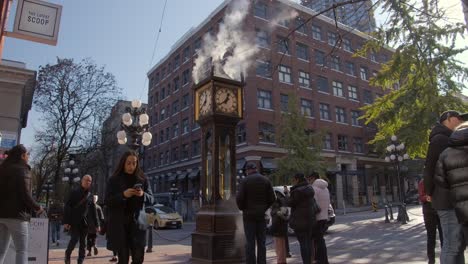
(126, 194)
(16, 204)
(254, 197)
(55, 217)
(439, 196)
(279, 226)
(431, 223)
(322, 197)
(452, 174)
(93, 225)
(286, 237)
(303, 215)
(76, 219)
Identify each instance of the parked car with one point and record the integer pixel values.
(165, 216)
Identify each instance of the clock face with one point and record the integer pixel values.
(205, 102)
(226, 100)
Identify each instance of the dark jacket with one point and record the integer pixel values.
(438, 142)
(94, 217)
(15, 198)
(452, 173)
(303, 215)
(255, 196)
(117, 207)
(279, 216)
(77, 208)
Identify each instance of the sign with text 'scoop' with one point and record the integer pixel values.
(38, 248)
(38, 21)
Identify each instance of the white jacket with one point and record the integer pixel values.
(322, 196)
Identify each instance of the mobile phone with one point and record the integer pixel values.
(138, 186)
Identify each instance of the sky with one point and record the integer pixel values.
(121, 35)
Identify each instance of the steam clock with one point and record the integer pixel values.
(218, 237)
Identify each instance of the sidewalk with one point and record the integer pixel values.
(358, 238)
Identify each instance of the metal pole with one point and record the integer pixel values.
(402, 212)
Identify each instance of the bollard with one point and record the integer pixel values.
(374, 207)
(386, 214)
(391, 212)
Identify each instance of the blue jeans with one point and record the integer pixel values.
(18, 231)
(255, 230)
(55, 229)
(454, 243)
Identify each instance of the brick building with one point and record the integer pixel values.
(331, 86)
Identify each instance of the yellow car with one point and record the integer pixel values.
(165, 217)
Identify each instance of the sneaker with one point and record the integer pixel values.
(95, 251)
(113, 259)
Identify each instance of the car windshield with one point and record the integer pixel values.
(164, 210)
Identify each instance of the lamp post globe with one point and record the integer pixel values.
(135, 126)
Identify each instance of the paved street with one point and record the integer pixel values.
(361, 237)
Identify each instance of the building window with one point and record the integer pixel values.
(185, 101)
(350, 68)
(352, 92)
(168, 111)
(304, 79)
(283, 45)
(163, 73)
(327, 141)
(264, 69)
(186, 53)
(266, 132)
(177, 61)
(284, 100)
(316, 32)
(320, 58)
(155, 118)
(167, 156)
(262, 38)
(284, 74)
(175, 107)
(186, 77)
(168, 133)
(373, 57)
(157, 78)
(325, 111)
(195, 147)
(156, 98)
(347, 45)
(367, 98)
(163, 113)
(364, 73)
(185, 125)
(302, 51)
(260, 10)
(264, 99)
(306, 107)
(332, 38)
(342, 142)
(282, 19)
(301, 25)
(195, 125)
(337, 88)
(340, 115)
(175, 154)
(161, 136)
(185, 151)
(163, 93)
(161, 158)
(241, 134)
(176, 83)
(335, 63)
(355, 118)
(358, 145)
(322, 84)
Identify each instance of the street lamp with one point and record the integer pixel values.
(175, 191)
(71, 172)
(135, 124)
(47, 188)
(395, 154)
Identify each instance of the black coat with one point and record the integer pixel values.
(438, 142)
(279, 220)
(77, 208)
(95, 218)
(452, 173)
(255, 196)
(15, 198)
(116, 204)
(303, 215)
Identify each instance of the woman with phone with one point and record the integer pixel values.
(127, 193)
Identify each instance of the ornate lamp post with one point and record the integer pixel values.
(135, 125)
(175, 193)
(48, 188)
(71, 172)
(396, 154)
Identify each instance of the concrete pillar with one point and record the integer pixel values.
(395, 191)
(339, 191)
(355, 186)
(370, 191)
(383, 194)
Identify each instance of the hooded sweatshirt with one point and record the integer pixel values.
(322, 197)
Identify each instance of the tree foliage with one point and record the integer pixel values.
(423, 78)
(302, 145)
(74, 99)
